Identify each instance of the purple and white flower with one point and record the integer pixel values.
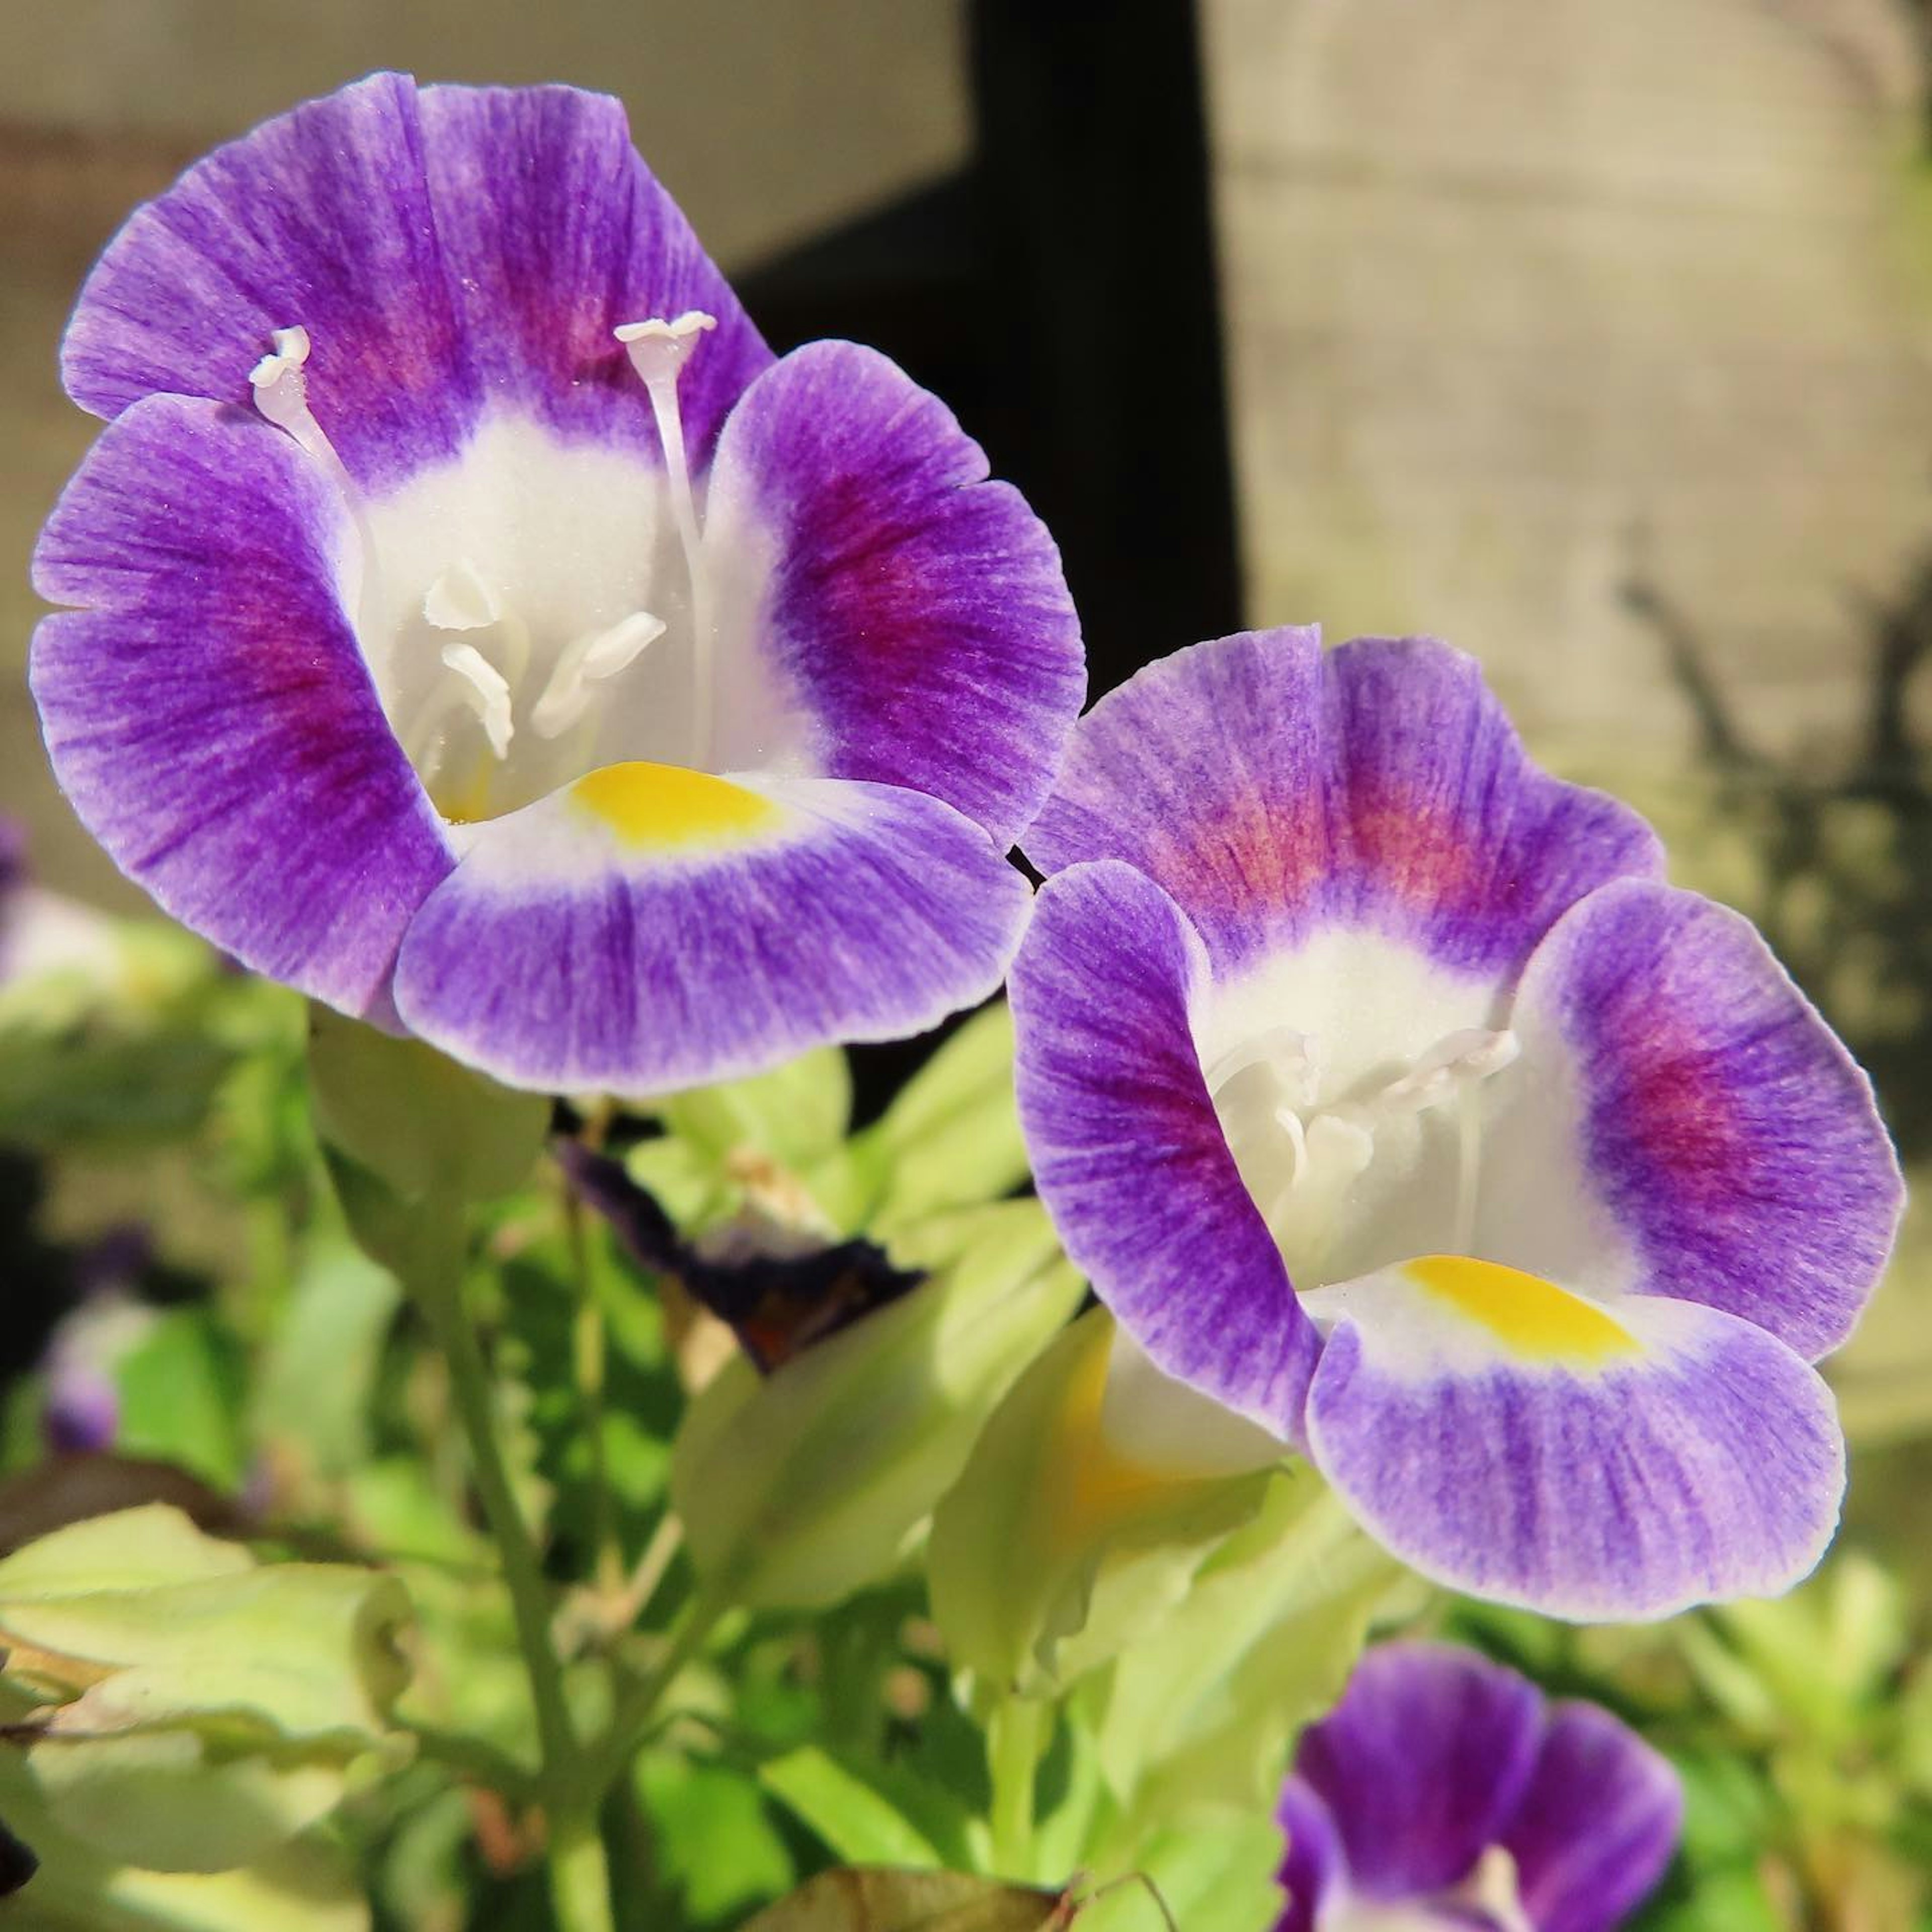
(480, 630)
(1390, 1098)
(1442, 1795)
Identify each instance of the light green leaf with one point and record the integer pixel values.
(161, 1800)
(132, 1550)
(1205, 1706)
(916, 1901)
(181, 1389)
(1213, 1867)
(416, 1121)
(952, 1138)
(302, 1886)
(798, 1487)
(859, 1826)
(339, 1313)
(198, 1707)
(1059, 1543)
(792, 1115)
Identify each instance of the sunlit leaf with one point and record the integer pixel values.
(855, 1821)
(797, 1487)
(850, 1900)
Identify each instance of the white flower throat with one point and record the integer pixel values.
(1359, 1132)
(533, 609)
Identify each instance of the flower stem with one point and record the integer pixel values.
(605, 1761)
(1013, 1737)
(579, 1883)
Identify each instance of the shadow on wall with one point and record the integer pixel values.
(1842, 855)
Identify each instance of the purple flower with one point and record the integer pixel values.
(1390, 1099)
(481, 632)
(1441, 1792)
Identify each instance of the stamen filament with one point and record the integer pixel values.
(659, 350)
(587, 660)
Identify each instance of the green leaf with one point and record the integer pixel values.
(798, 1487)
(203, 1707)
(161, 1800)
(714, 1848)
(793, 1115)
(858, 1824)
(339, 1313)
(414, 1119)
(952, 1138)
(1213, 1867)
(302, 1886)
(1059, 1543)
(1205, 1706)
(916, 1901)
(181, 1389)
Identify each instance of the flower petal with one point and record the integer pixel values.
(1421, 1764)
(1597, 1825)
(650, 927)
(210, 715)
(1128, 1154)
(447, 252)
(1272, 791)
(320, 217)
(1707, 1111)
(917, 610)
(1312, 1865)
(554, 232)
(1513, 1440)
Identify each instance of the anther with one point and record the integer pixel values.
(483, 688)
(281, 395)
(588, 660)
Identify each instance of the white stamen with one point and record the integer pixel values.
(281, 395)
(484, 689)
(586, 661)
(659, 350)
(1301, 1157)
(459, 600)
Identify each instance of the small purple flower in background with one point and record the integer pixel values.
(1441, 1792)
(481, 629)
(81, 1413)
(1389, 1098)
(42, 932)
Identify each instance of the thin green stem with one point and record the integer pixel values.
(579, 1884)
(590, 1351)
(1013, 1738)
(605, 1761)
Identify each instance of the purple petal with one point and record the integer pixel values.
(210, 716)
(1129, 1155)
(1717, 1120)
(554, 232)
(1597, 1826)
(778, 1292)
(320, 217)
(1272, 791)
(1421, 1764)
(449, 253)
(1515, 1441)
(917, 610)
(1313, 1865)
(648, 927)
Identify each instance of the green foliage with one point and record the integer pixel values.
(784, 1609)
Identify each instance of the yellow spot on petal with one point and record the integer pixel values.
(1533, 1318)
(666, 807)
